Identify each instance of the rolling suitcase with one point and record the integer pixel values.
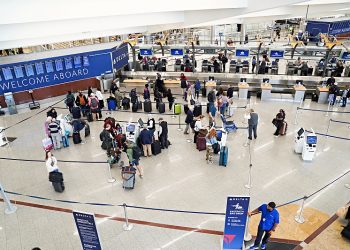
(177, 109)
(201, 143)
(134, 107)
(223, 156)
(346, 232)
(76, 138)
(89, 117)
(111, 104)
(283, 129)
(126, 103)
(76, 113)
(156, 148)
(161, 107)
(87, 130)
(128, 178)
(65, 141)
(197, 110)
(147, 106)
(139, 105)
(58, 186)
(208, 107)
(56, 178)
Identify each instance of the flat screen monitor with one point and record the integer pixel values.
(243, 80)
(242, 52)
(176, 52)
(301, 131)
(59, 64)
(146, 52)
(49, 66)
(18, 71)
(277, 54)
(299, 82)
(7, 73)
(140, 122)
(68, 62)
(130, 128)
(266, 80)
(77, 62)
(311, 139)
(29, 69)
(86, 62)
(39, 68)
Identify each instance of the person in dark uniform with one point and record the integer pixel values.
(163, 133)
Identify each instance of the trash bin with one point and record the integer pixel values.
(11, 105)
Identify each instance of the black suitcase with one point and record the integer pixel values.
(58, 186)
(87, 130)
(208, 108)
(186, 109)
(134, 107)
(197, 110)
(126, 103)
(156, 147)
(147, 106)
(139, 105)
(161, 107)
(258, 94)
(204, 92)
(76, 113)
(76, 138)
(230, 92)
(314, 97)
(89, 117)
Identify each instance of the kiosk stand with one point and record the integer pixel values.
(305, 144)
(132, 132)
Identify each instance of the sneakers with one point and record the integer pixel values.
(263, 246)
(254, 248)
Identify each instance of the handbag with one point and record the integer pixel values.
(274, 121)
(216, 148)
(47, 144)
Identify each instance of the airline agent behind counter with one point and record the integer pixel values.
(268, 223)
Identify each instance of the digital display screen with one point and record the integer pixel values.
(277, 53)
(86, 61)
(59, 64)
(242, 52)
(49, 66)
(140, 122)
(311, 139)
(266, 80)
(7, 73)
(18, 71)
(130, 128)
(39, 68)
(77, 62)
(146, 52)
(176, 52)
(301, 131)
(68, 62)
(29, 70)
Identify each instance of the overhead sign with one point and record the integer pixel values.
(176, 52)
(235, 222)
(120, 56)
(87, 230)
(146, 52)
(345, 56)
(279, 54)
(242, 52)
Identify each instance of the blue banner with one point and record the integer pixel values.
(176, 52)
(51, 71)
(345, 56)
(120, 56)
(235, 221)
(279, 54)
(146, 52)
(87, 231)
(242, 52)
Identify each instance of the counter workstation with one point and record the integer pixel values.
(210, 86)
(266, 91)
(299, 92)
(243, 90)
(322, 93)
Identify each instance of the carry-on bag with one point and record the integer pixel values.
(47, 144)
(223, 156)
(76, 138)
(147, 106)
(156, 147)
(161, 107)
(177, 109)
(134, 107)
(87, 130)
(201, 143)
(76, 113)
(283, 129)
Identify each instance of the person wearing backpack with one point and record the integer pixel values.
(54, 129)
(82, 102)
(70, 101)
(133, 153)
(146, 138)
(94, 106)
(211, 142)
(99, 96)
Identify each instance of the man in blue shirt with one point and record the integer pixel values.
(268, 223)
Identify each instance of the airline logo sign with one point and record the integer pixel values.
(345, 56)
(120, 57)
(146, 52)
(277, 53)
(176, 52)
(235, 222)
(242, 52)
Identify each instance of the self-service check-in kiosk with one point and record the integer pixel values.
(132, 131)
(305, 144)
(299, 141)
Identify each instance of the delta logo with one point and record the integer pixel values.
(228, 238)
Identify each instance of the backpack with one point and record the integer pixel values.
(94, 103)
(211, 97)
(70, 100)
(136, 153)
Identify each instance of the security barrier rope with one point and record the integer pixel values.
(326, 111)
(339, 121)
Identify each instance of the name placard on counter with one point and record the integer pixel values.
(87, 230)
(235, 222)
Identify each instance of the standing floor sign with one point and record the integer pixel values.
(235, 222)
(86, 226)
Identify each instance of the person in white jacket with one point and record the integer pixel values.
(51, 162)
(100, 98)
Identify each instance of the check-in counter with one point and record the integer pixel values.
(210, 85)
(172, 83)
(266, 91)
(322, 93)
(243, 90)
(135, 82)
(299, 92)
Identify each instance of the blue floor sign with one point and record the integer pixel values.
(235, 221)
(86, 226)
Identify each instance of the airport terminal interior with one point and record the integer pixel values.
(186, 125)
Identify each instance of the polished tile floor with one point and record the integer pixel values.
(178, 178)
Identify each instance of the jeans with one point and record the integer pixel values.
(345, 100)
(147, 150)
(56, 139)
(171, 105)
(163, 141)
(187, 128)
(196, 94)
(259, 235)
(253, 68)
(252, 128)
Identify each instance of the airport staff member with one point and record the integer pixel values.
(253, 120)
(268, 223)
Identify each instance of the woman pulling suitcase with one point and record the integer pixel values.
(55, 176)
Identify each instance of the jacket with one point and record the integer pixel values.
(189, 117)
(253, 120)
(146, 137)
(51, 164)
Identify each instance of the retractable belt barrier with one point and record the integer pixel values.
(326, 111)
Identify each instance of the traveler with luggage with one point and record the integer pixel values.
(157, 97)
(113, 88)
(119, 97)
(94, 106)
(100, 98)
(171, 99)
(70, 101)
(128, 176)
(197, 127)
(133, 96)
(89, 91)
(333, 92)
(146, 92)
(224, 60)
(345, 95)
(82, 102)
(46, 126)
(223, 103)
(54, 129)
(79, 127)
(211, 142)
(52, 113)
(211, 98)
(279, 122)
(111, 103)
(253, 120)
(107, 137)
(268, 223)
(189, 121)
(253, 64)
(216, 66)
(146, 139)
(163, 133)
(55, 176)
(197, 88)
(134, 153)
(151, 125)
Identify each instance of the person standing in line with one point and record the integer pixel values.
(253, 64)
(197, 88)
(198, 126)
(70, 101)
(163, 133)
(345, 96)
(268, 223)
(210, 140)
(146, 93)
(151, 125)
(134, 160)
(51, 162)
(188, 120)
(253, 120)
(278, 121)
(100, 98)
(89, 91)
(146, 138)
(54, 129)
(94, 106)
(79, 127)
(171, 99)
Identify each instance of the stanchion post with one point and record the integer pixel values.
(179, 128)
(296, 116)
(329, 123)
(127, 226)
(249, 184)
(299, 217)
(110, 177)
(10, 209)
(329, 105)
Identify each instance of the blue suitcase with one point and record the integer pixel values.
(223, 156)
(111, 104)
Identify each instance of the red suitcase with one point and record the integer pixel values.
(201, 143)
